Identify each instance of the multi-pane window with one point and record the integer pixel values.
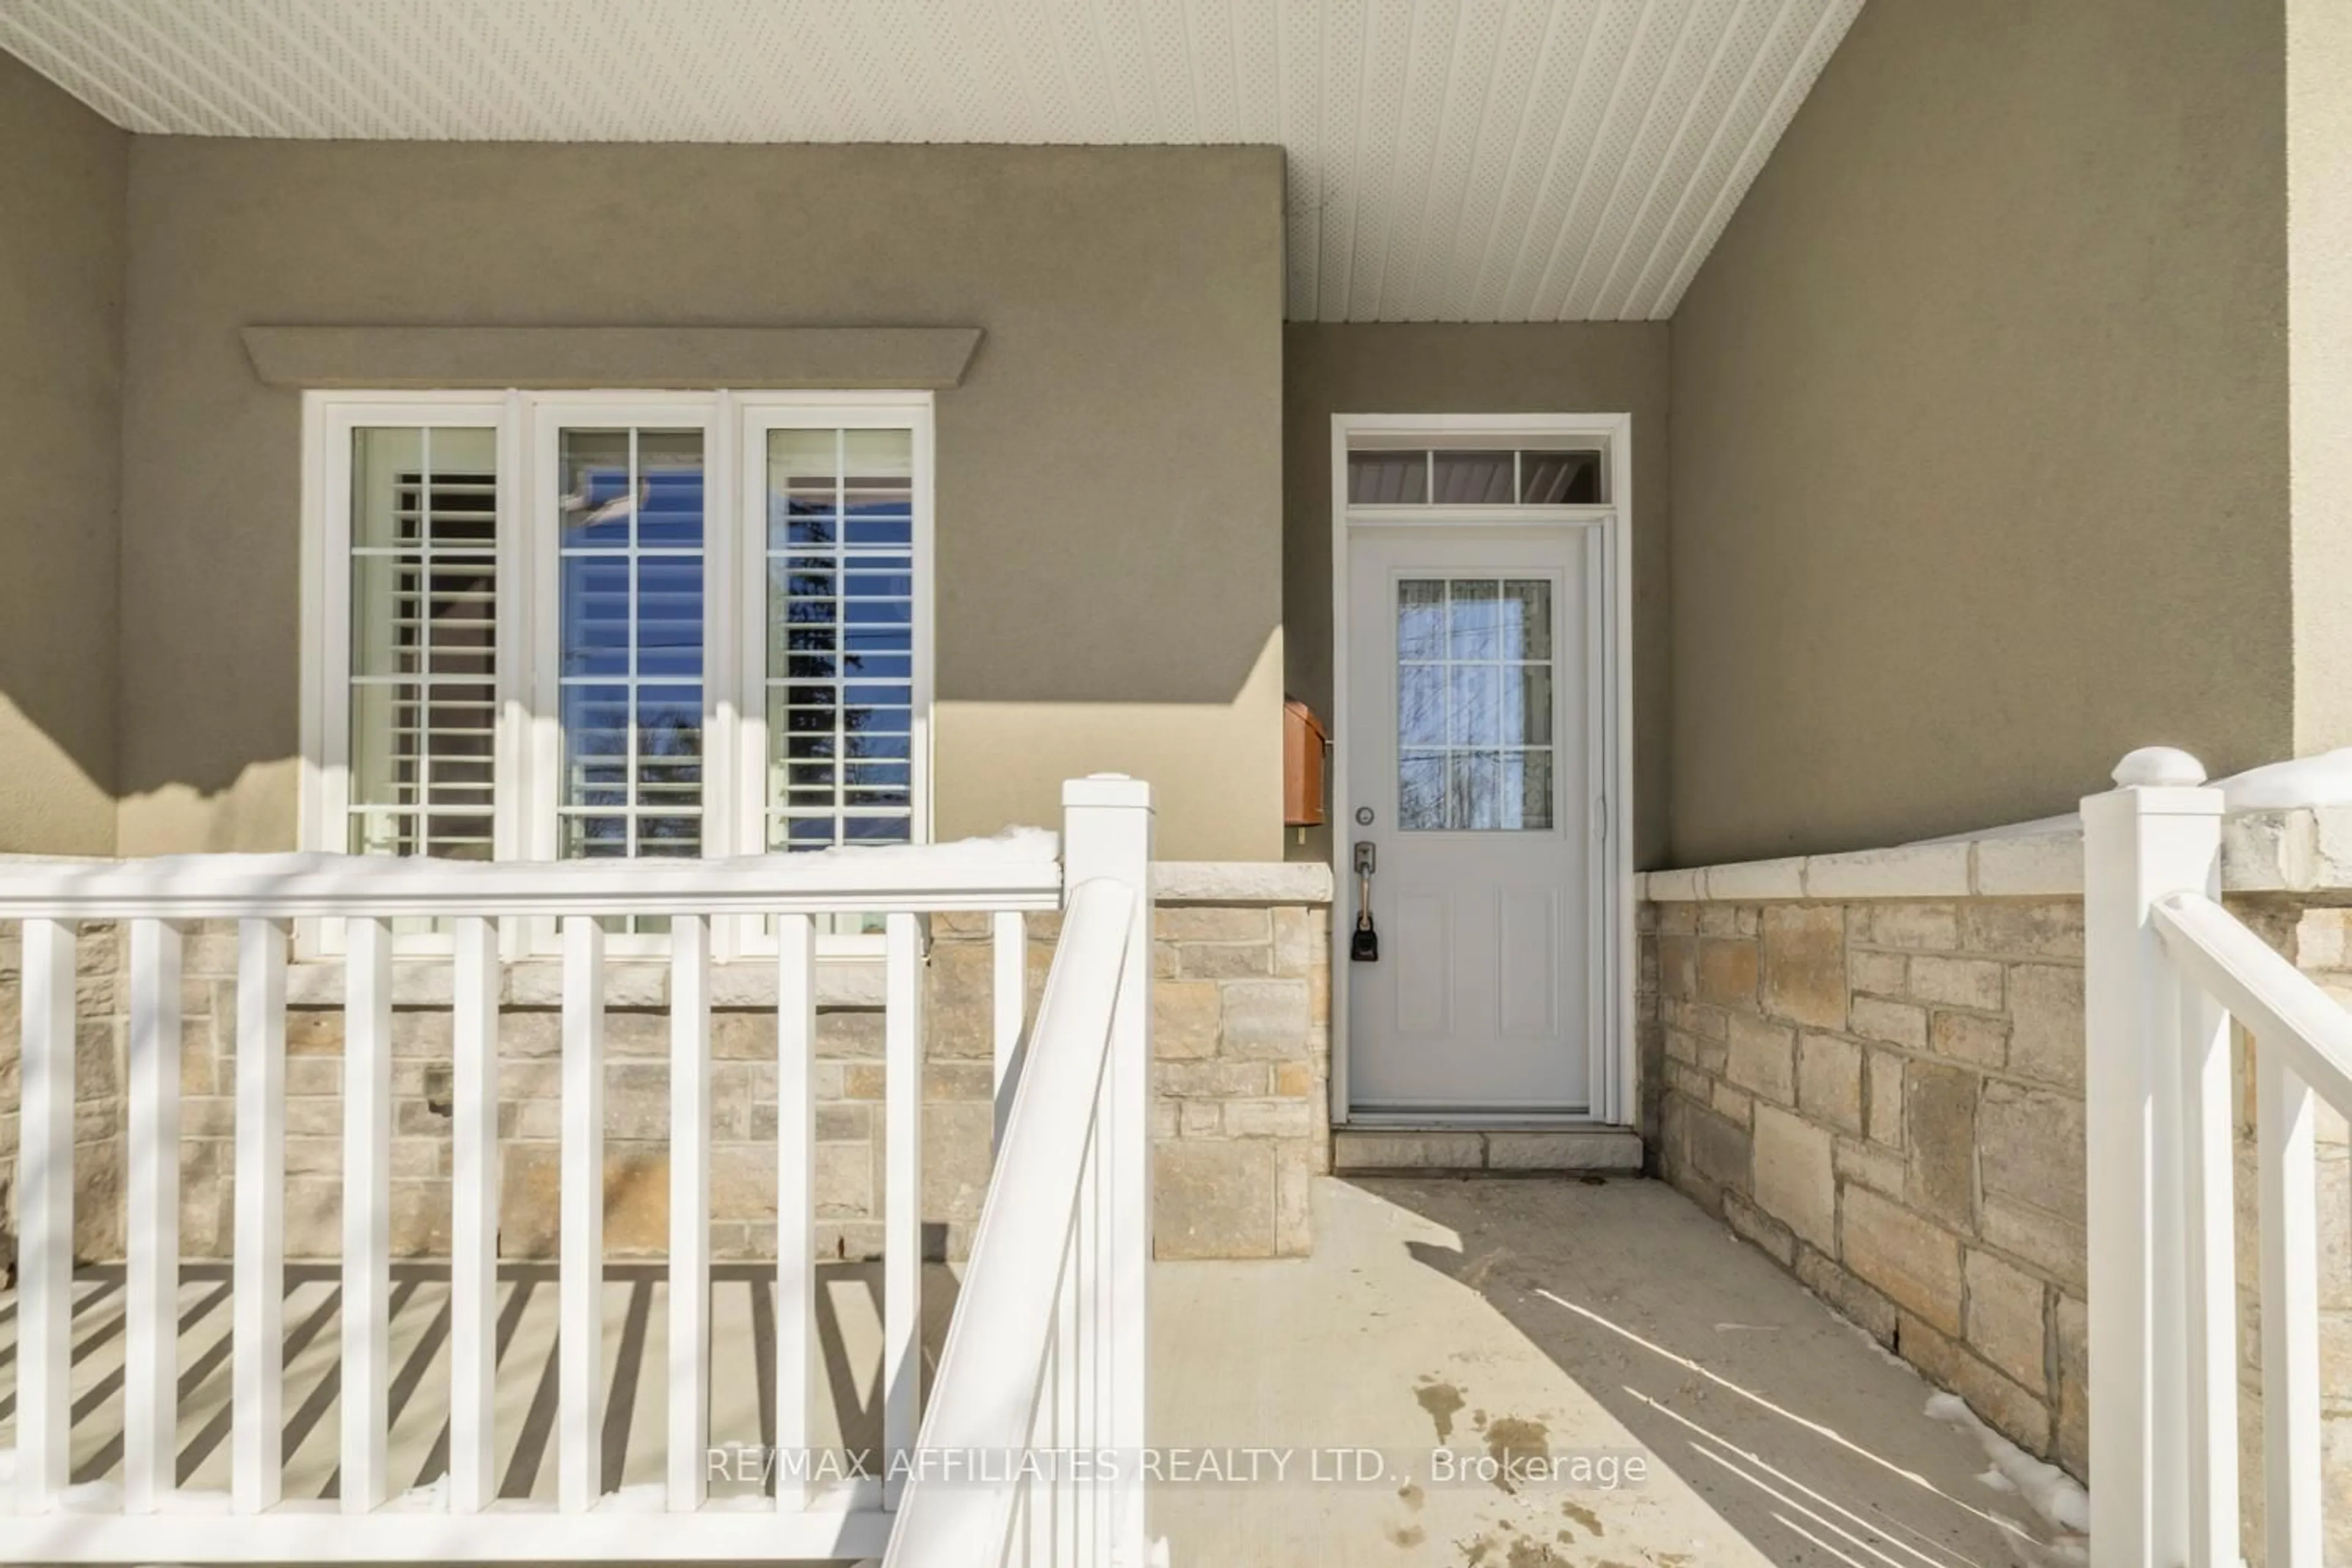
(629, 531)
(841, 637)
(1480, 475)
(1474, 703)
(582, 627)
(424, 661)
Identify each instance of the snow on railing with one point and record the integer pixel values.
(1106, 841)
(2166, 968)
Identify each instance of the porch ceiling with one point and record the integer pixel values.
(1449, 159)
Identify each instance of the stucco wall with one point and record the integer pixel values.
(1442, 368)
(2319, 305)
(1108, 565)
(62, 172)
(1980, 457)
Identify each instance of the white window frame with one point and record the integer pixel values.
(529, 732)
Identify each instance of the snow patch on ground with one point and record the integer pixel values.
(2050, 1492)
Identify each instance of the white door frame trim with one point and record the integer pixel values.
(1617, 1062)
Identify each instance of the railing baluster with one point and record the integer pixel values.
(1065, 1399)
(1086, 1432)
(902, 1236)
(151, 1327)
(2211, 1296)
(795, 1203)
(474, 1228)
(690, 1209)
(580, 1403)
(1011, 997)
(367, 1213)
(259, 1327)
(45, 1218)
(2290, 1312)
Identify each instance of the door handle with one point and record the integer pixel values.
(1364, 946)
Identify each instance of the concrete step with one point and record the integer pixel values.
(1363, 1151)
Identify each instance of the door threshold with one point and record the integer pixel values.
(1478, 1120)
(1359, 1149)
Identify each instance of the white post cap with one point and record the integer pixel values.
(2166, 767)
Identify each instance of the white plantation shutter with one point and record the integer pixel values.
(423, 698)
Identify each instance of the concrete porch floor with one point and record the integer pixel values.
(1554, 1317)
(1535, 1318)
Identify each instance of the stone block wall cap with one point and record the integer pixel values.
(2304, 850)
(1240, 882)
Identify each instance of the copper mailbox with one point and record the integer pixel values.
(1303, 740)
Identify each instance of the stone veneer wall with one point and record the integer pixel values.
(1241, 1010)
(1887, 1098)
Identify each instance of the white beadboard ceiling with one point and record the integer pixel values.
(1449, 160)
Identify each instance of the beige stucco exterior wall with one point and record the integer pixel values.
(62, 173)
(1980, 457)
(1443, 368)
(1108, 565)
(2319, 364)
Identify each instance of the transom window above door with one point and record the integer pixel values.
(586, 625)
(1398, 471)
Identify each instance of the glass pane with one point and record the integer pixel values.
(1420, 705)
(1527, 705)
(1475, 797)
(1527, 620)
(1475, 619)
(1476, 710)
(1472, 478)
(1526, 800)
(1421, 790)
(803, 487)
(1421, 618)
(669, 470)
(387, 470)
(669, 615)
(597, 499)
(879, 486)
(384, 768)
(1388, 478)
(1560, 479)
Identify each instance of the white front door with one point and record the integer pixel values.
(1473, 777)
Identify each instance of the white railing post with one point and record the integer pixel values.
(1106, 826)
(2155, 835)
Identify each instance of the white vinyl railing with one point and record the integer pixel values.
(1107, 848)
(1031, 1445)
(2165, 969)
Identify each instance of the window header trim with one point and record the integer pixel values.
(816, 359)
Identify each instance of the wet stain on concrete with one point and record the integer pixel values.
(1583, 1516)
(1511, 1441)
(1443, 1401)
